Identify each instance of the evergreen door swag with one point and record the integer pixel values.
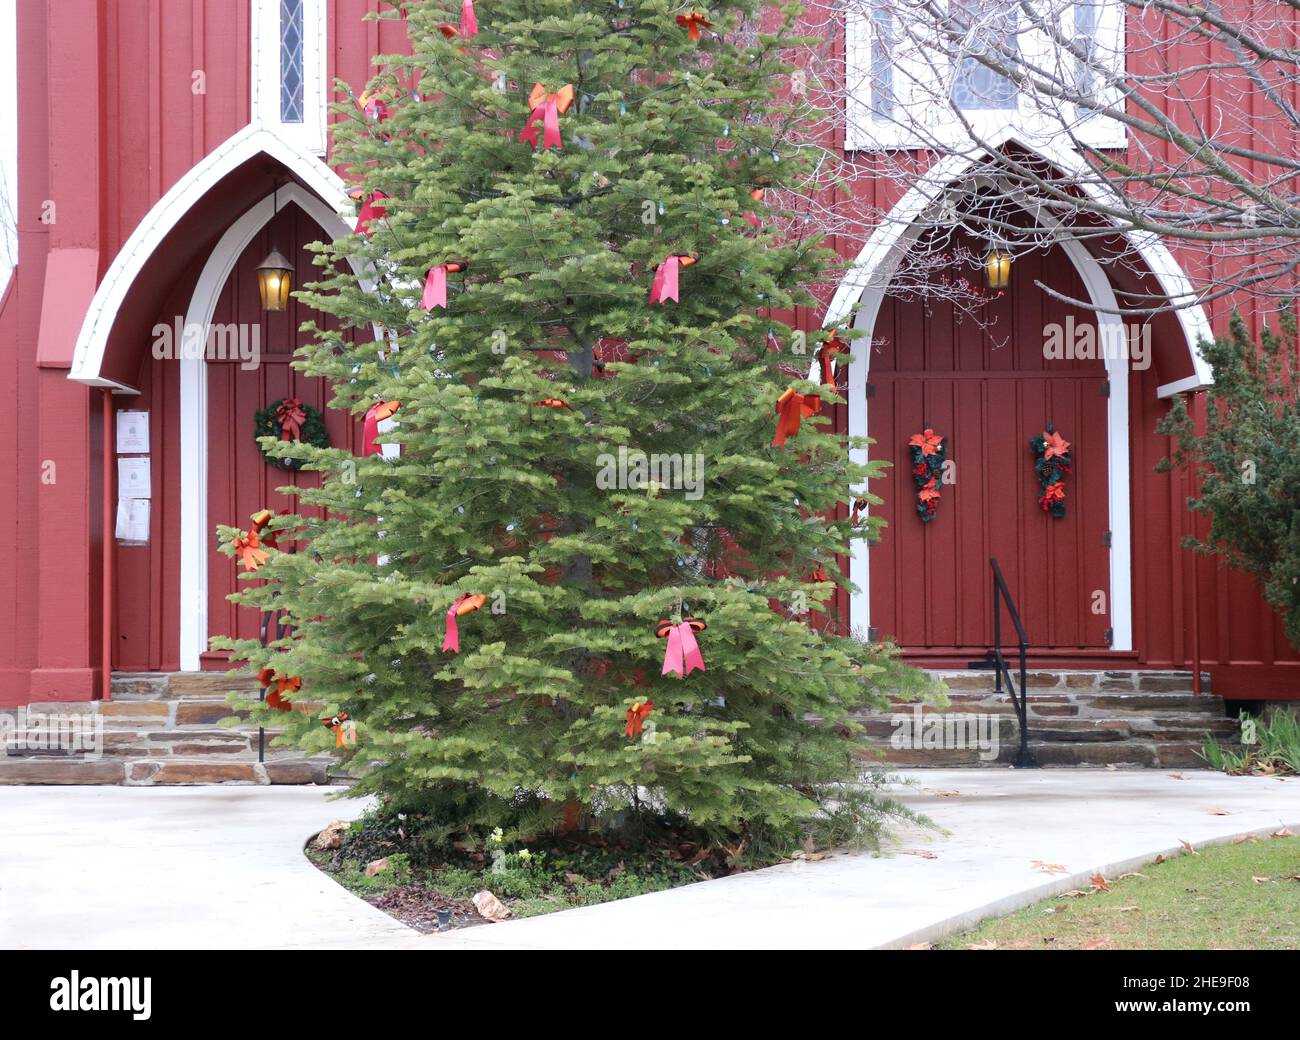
(928, 453)
(290, 420)
(1052, 464)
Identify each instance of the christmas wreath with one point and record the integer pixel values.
(1052, 464)
(928, 453)
(290, 420)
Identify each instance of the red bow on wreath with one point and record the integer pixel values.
(636, 716)
(682, 654)
(290, 416)
(546, 109)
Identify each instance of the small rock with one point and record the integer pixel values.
(331, 837)
(376, 866)
(489, 906)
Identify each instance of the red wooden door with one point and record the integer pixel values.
(240, 481)
(986, 386)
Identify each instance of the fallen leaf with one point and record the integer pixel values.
(1076, 893)
(1111, 767)
(988, 944)
(489, 906)
(1100, 883)
(1285, 832)
(1126, 909)
(1049, 868)
(943, 794)
(923, 853)
(1241, 839)
(919, 946)
(575, 879)
(1214, 811)
(1188, 847)
(1060, 908)
(1175, 776)
(1094, 944)
(1129, 874)
(331, 837)
(376, 866)
(1159, 859)
(1261, 880)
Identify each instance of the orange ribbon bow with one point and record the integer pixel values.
(248, 547)
(792, 408)
(343, 728)
(553, 402)
(694, 21)
(636, 716)
(859, 508)
(546, 109)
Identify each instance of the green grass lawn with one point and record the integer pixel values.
(1244, 896)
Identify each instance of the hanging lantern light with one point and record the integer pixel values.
(275, 273)
(274, 281)
(997, 267)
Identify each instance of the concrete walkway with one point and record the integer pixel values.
(223, 867)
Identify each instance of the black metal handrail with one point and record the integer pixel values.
(1002, 594)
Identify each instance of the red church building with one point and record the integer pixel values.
(164, 150)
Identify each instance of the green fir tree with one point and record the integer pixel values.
(496, 494)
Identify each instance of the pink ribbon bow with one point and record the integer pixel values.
(435, 288)
(682, 655)
(468, 22)
(546, 108)
(664, 287)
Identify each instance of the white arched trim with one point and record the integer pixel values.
(860, 295)
(195, 530)
(166, 213)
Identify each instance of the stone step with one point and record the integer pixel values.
(1078, 680)
(149, 686)
(158, 772)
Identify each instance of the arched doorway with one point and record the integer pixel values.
(982, 381)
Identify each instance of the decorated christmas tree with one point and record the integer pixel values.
(586, 574)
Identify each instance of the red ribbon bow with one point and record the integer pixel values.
(826, 358)
(462, 606)
(636, 716)
(290, 415)
(372, 209)
(682, 654)
(693, 22)
(664, 287)
(546, 108)
(283, 684)
(792, 408)
(375, 414)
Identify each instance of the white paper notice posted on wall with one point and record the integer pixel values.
(132, 521)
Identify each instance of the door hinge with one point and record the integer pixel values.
(1105, 388)
(870, 391)
(1108, 636)
(1105, 539)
